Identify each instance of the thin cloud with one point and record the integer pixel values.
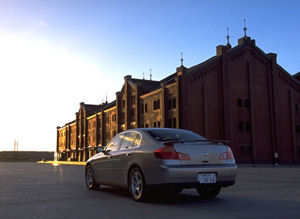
(40, 24)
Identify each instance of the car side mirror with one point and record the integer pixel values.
(100, 149)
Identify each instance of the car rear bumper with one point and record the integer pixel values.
(187, 175)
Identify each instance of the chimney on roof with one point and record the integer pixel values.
(221, 49)
(245, 39)
(127, 77)
(82, 103)
(273, 56)
(181, 70)
(297, 76)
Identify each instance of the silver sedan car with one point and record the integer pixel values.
(145, 158)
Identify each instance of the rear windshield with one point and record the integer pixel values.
(170, 135)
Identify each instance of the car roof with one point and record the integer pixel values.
(151, 129)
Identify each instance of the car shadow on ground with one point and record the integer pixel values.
(161, 197)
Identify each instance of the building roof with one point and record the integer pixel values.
(146, 86)
(202, 65)
(92, 109)
(297, 75)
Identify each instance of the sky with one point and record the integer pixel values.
(55, 54)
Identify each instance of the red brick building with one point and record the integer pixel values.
(241, 95)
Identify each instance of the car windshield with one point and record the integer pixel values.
(173, 135)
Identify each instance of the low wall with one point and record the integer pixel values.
(23, 156)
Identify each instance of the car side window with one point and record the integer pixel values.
(137, 140)
(128, 140)
(115, 143)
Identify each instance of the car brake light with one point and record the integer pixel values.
(227, 155)
(168, 152)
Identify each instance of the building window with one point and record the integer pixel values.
(174, 103)
(143, 108)
(114, 117)
(158, 124)
(248, 126)
(174, 123)
(156, 104)
(249, 149)
(239, 103)
(154, 124)
(170, 123)
(106, 119)
(132, 112)
(242, 149)
(170, 104)
(146, 125)
(146, 108)
(123, 104)
(241, 126)
(247, 103)
(132, 100)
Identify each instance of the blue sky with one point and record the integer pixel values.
(56, 54)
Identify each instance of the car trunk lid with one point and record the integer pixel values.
(200, 152)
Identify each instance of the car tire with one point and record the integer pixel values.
(137, 185)
(209, 191)
(90, 179)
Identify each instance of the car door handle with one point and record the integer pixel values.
(128, 154)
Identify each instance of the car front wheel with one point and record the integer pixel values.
(209, 191)
(137, 185)
(90, 179)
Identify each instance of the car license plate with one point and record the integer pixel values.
(205, 178)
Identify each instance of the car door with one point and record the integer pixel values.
(123, 157)
(103, 165)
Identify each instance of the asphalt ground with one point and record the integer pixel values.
(33, 190)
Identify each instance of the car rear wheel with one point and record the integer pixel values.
(90, 179)
(137, 185)
(209, 191)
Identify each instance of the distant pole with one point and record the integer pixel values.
(150, 74)
(181, 60)
(16, 145)
(227, 37)
(245, 28)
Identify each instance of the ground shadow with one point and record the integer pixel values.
(162, 197)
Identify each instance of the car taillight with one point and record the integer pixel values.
(227, 155)
(168, 152)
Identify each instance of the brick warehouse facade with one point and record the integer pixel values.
(241, 95)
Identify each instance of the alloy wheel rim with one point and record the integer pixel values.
(136, 184)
